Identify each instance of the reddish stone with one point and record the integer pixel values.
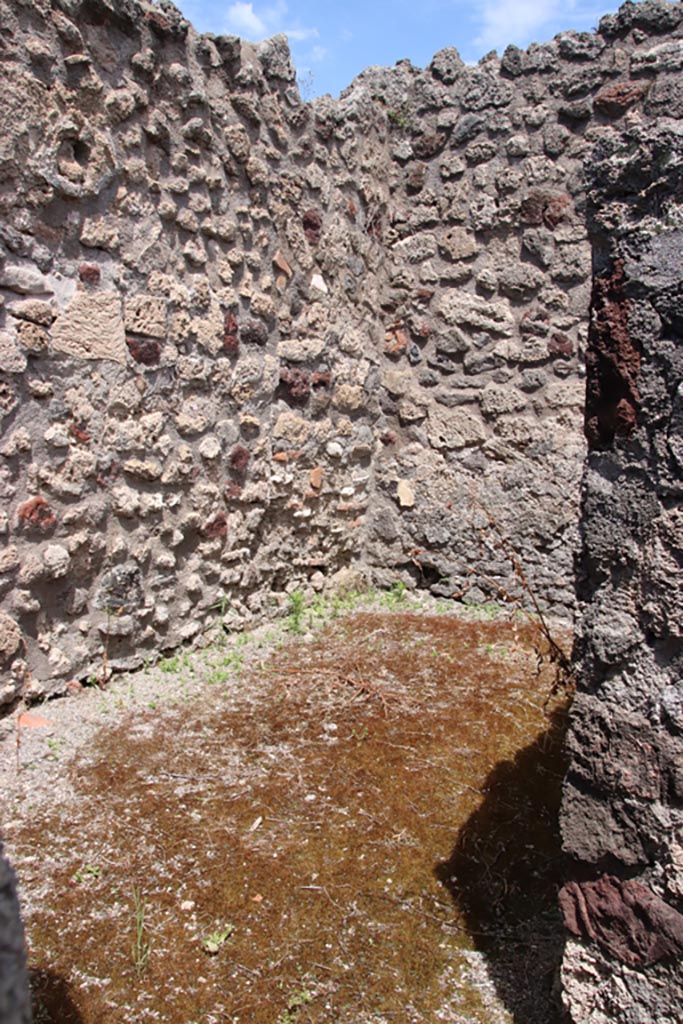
(388, 437)
(216, 527)
(232, 490)
(555, 210)
(560, 345)
(231, 342)
(543, 207)
(239, 458)
(320, 379)
(158, 22)
(351, 209)
(89, 273)
(312, 222)
(297, 384)
(625, 918)
(615, 100)
(612, 363)
(144, 350)
(79, 434)
(429, 144)
(316, 477)
(424, 295)
(36, 514)
(396, 342)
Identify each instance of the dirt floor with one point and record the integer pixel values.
(349, 817)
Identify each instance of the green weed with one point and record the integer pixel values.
(170, 665)
(213, 942)
(142, 943)
(294, 623)
(86, 872)
(300, 998)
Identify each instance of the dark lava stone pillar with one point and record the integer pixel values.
(622, 814)
(14, 998)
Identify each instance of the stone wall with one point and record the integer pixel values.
(622, 816)
(248, 343)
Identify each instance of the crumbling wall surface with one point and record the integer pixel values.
(622, 815)
(14, 997)
(248, 343)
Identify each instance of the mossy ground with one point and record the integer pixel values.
(370, 808)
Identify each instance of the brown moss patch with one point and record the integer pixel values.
(336, 809)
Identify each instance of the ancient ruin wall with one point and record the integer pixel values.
(249, 343)
(622, 815)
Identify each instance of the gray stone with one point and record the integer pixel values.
(15, 1007)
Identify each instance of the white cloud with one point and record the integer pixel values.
(510, 21)
(243, 19)
(300, 35)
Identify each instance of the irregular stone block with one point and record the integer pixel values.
(91, 327)
(474, 311)
(454, 429)
(625, 918)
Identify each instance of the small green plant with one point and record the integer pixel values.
(395, 596)
(399, 118)
(213, 942)
(170, 664)
(298, 999)
(54, 746)
(86, 872)
(296, 612)
(142, 943)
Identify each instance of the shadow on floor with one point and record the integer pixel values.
(504, 873)
(51, 999)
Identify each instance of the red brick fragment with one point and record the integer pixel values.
(615, 100)
(146, 351)
(312, 223)
(560, 345)
(297, 384)
(36, 514)
(79, 433)
(216, 527)
(231, 343)
(238, 459)
(89, 273)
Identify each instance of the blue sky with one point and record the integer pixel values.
(332, 42)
